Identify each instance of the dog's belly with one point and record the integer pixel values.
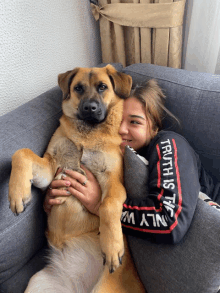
(64, 220)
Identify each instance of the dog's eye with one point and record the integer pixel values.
(102, 87)
(79, 89)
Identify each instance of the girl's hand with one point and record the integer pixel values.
(53, 192)
(89, 194)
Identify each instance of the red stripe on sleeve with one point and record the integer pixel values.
(161, 194)
(177, 173)
(158, 167)
(147, 230)
(178, 186)
(142, 208)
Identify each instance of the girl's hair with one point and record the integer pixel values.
(153, 100)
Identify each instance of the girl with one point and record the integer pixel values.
(165, 211)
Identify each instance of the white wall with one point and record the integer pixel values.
(40, 39)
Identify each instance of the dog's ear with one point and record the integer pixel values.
(65, 80)
(121, 82)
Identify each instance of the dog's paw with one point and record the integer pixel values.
(19, 197)
(112, 250)
(62, 199)
(60, 176)
(63, 174)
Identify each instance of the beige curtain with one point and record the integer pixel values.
(141, 31)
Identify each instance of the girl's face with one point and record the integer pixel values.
(136, 128)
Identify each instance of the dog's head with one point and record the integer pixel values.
(89, 92)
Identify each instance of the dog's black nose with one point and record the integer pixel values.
(91, 111)
(90, 107)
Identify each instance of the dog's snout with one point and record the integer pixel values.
(90, 106)
(92, 111)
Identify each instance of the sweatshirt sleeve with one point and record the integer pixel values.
(165, 212)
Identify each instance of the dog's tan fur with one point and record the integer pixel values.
(97, 147)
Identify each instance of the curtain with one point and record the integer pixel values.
(141, 31)
(202, 47)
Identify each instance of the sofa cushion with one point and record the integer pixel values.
(135, 168)
(29, 126)
(195, 99)
(193, 265)
(18, 282)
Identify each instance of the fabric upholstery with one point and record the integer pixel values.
(21, 237)
(137, 171)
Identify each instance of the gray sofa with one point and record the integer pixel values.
(195, 99)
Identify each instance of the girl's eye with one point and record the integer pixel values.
(134, 122)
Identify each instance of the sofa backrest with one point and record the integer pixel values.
(194, 98)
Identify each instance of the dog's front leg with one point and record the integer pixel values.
(111, 237)
(27, 168)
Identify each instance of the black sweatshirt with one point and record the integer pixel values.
(175, 173)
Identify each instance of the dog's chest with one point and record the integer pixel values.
(68, 155)
(100, 164)
(95, 161)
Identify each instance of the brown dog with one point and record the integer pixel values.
(88, 134)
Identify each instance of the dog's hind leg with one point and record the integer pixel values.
(111, 237)
(124, 280)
